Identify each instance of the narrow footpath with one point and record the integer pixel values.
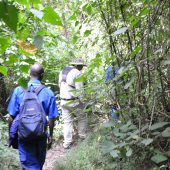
(54, 154)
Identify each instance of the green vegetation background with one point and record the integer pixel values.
(132, 35)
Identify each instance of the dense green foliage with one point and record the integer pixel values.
(132, 35)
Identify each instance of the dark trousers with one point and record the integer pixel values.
(32, 154)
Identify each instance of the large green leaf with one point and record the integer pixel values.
(3, 70)
(158, 158)
(158, 125)
(9, 14)
(23, 82)
(4, 44)
(38, 14)
(52, 17)
(23, 2)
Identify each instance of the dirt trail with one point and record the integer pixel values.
(54, 154)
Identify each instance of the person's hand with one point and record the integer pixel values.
(49, 143)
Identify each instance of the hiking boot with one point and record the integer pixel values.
(67, 146)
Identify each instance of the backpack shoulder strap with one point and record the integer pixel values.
(38, 89)
(65, 72)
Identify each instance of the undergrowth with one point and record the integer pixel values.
(86, 155)
(9, 159)
(94, 154)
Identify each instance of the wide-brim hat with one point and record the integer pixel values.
(77, 62)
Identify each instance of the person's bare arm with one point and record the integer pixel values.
(51, 124)
(10, 120)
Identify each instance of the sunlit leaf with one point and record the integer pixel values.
(120, 31)
(80, 79)
(23, 2)
(4, 44)
(134, 23)
(88, 9)
(52, 17)
(136, 50)
(87, 110)
(144, 12)
(3, 70)
(35, 1)
(29, 48)
(38, 14)
(24, 33)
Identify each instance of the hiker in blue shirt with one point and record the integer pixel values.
(32, 153)
(110, 73)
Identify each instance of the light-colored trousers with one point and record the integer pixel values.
(70, 112)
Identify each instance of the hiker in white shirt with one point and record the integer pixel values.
(71, 95)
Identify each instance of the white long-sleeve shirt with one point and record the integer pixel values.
(67, 89)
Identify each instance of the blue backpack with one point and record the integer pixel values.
(32, 118)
